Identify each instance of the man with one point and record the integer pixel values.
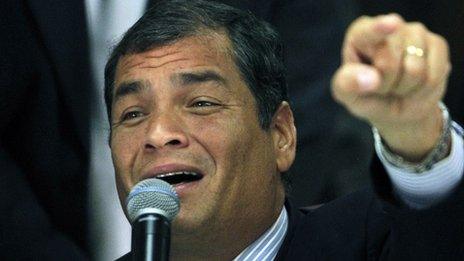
(50, 186)
(199, 87)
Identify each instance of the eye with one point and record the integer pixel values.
(130, 115)
(204, 104)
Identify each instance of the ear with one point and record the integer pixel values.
(284, 136)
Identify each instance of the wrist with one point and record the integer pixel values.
(413, 141)
(440, 148)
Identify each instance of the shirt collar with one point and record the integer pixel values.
(268, 244)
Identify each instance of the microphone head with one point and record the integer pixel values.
(152, 196)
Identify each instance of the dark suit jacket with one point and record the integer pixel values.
(45, 89)
(373, 225)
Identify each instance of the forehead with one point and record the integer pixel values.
(212, 50)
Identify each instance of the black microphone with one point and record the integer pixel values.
(151, 206)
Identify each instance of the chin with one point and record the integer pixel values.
(186, 224)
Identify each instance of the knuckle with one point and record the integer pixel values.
(386, 66)
(337, 95)
(341, 83)
(398, 16)
(434, 80)
(417, 27)
(415, 69)
(438, 40)
(362, 19)
(335, 83)
(357, 23)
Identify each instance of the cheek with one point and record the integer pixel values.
(124, 149)
(218, 135)
(233, 142)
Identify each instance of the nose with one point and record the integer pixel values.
(165, 131)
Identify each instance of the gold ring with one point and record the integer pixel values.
(414, 50)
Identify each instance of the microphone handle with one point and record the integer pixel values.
(151, 238)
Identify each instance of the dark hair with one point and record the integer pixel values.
(256, 46)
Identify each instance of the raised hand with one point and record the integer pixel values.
(393, 75)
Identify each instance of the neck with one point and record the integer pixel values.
(226, 241)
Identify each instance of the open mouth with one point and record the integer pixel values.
(179, 177)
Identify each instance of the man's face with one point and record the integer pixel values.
(185, 108)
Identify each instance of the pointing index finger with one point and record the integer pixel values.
(366, 33)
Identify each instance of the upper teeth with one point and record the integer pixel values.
(170, 174)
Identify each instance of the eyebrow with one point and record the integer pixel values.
(128, 88)
(191, 78)
(183, 79)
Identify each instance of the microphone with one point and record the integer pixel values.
(151, 206)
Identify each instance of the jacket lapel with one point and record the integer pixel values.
(294, 217)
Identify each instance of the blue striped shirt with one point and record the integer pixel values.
(266, 247)
(425, 189)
